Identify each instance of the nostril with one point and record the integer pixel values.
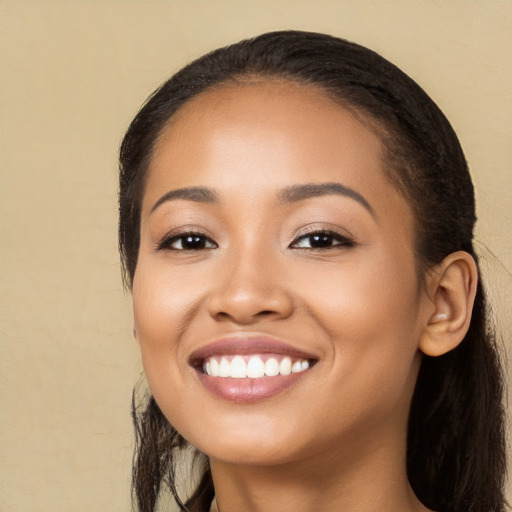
(222, 315)
(238, 305)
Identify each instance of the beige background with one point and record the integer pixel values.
(73, 73)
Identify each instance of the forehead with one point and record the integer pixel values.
(266, 129)
(272, 107)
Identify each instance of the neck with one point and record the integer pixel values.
(369, 477)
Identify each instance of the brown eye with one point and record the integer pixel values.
(321, 240)
(188, 242)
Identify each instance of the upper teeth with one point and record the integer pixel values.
(254, 368)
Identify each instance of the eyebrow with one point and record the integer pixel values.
(292, 194)
(196, 194)
(297, 193)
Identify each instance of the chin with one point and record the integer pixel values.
(243, 444)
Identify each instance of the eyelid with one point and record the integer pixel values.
(342, 236)
(165, 241)
(338, 234)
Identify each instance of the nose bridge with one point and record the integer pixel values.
(248, 287)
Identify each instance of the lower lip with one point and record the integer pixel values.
(249, 390)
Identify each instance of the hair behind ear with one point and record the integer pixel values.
(456, 458)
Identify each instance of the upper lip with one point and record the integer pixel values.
(247, 345)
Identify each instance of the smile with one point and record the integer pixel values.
(249, 369)
(254, 366)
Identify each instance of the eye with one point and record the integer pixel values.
(187, 242)
(323, 239)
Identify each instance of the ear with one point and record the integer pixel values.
(452, 287)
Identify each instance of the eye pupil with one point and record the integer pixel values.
(320, 240)
(193, 242)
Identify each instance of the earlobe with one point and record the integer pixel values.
(453, 288)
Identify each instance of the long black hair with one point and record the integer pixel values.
(456, 458)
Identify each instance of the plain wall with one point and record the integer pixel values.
(73, 74)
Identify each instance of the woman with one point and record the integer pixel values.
(296, 221)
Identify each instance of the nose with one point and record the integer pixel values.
(248, 290)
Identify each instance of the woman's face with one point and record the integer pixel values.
(272, 242)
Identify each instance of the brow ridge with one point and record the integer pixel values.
(196, 194)
(305, 191)
(291, 194)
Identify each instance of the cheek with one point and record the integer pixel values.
(370, 309)
(159, 314)
(366, 294)
(370, 313)
(163, 299)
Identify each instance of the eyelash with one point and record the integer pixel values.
(166, 243)
(322, 236)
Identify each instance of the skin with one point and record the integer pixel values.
(336, 439)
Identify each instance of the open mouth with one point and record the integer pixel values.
(253, 366)
(250, 368)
